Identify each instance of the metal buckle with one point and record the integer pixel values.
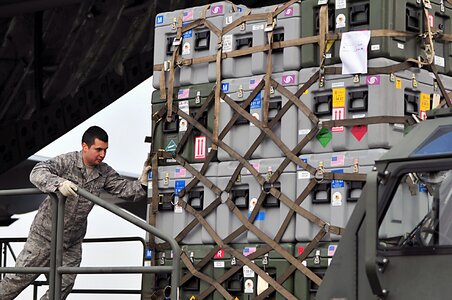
(240, 91)
(427, 4)
(414, 81)
(270, 27)
(167, 65)
(177, 41)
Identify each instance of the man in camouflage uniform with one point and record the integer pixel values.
(64, 174)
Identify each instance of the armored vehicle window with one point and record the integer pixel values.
(440, 142)
(420, 214)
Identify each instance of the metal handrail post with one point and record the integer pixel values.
(53, 242)
(59, 246)
(175, 274)
(52, 271)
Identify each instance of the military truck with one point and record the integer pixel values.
(397, 244)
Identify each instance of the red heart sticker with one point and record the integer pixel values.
(359, 131)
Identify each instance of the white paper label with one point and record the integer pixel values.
(262, 285)
(341, 4)
(375, 47)
(436, 100)
(303, 175)
(218, 264)
(322, 2)
(329, 261)
(337, 199)
(353, 51)
(304, 263)
(249, 286)
(228, 20)
(178, 209)
(304, 131)
(439, 61)
(227, 43)
(258, 27)
(358, 116)
(328, 55)
(247, 272)
(400, 127)
(340, 21)
(186, 48)
(337, 84)
(400, 46)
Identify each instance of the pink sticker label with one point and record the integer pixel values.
(288, 79)
(288, 12)
(219, 254)
(183, 94)
(254, 83)
(338, 114)
(216, 9)
(188, 15)
(373, 80)
(200, 147)
(180, 172)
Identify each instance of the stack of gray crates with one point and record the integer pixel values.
(345, 149)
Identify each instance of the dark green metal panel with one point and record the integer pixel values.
(317, 261)
(194, 286)
(273, 263)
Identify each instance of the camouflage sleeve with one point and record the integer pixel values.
(122, 187)
(46, 174)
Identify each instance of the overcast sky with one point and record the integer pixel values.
(128, 122)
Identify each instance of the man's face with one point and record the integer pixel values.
(94, 155)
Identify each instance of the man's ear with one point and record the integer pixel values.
(85, 146)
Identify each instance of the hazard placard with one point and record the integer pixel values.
(200, 147)
(425, 102)
(338, 114)
(339, 97)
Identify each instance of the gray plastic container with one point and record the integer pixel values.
(195, 43)
(332, 201)
(440, 21)
(252, 33)
(354, 15)
(172, 219)
(244, 133)
(406, 93)
(245, 194)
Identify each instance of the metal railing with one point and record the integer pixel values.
(56, 270)
(5, 246)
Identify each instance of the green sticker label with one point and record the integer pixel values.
(171, 147)
(324, 137)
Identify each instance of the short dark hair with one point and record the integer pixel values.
(92, 133)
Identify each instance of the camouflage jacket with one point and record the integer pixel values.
(48, 175)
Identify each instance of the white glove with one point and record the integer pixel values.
(68, 188)
(144, 174)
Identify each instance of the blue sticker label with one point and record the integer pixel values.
(150, 175)
(337, 184)
(148, 254)
(422, 188)
(257, 102)
(179, 186)
(305, 161)
(259, 217)
(225, 87)
(187, 34)
(159, 20)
